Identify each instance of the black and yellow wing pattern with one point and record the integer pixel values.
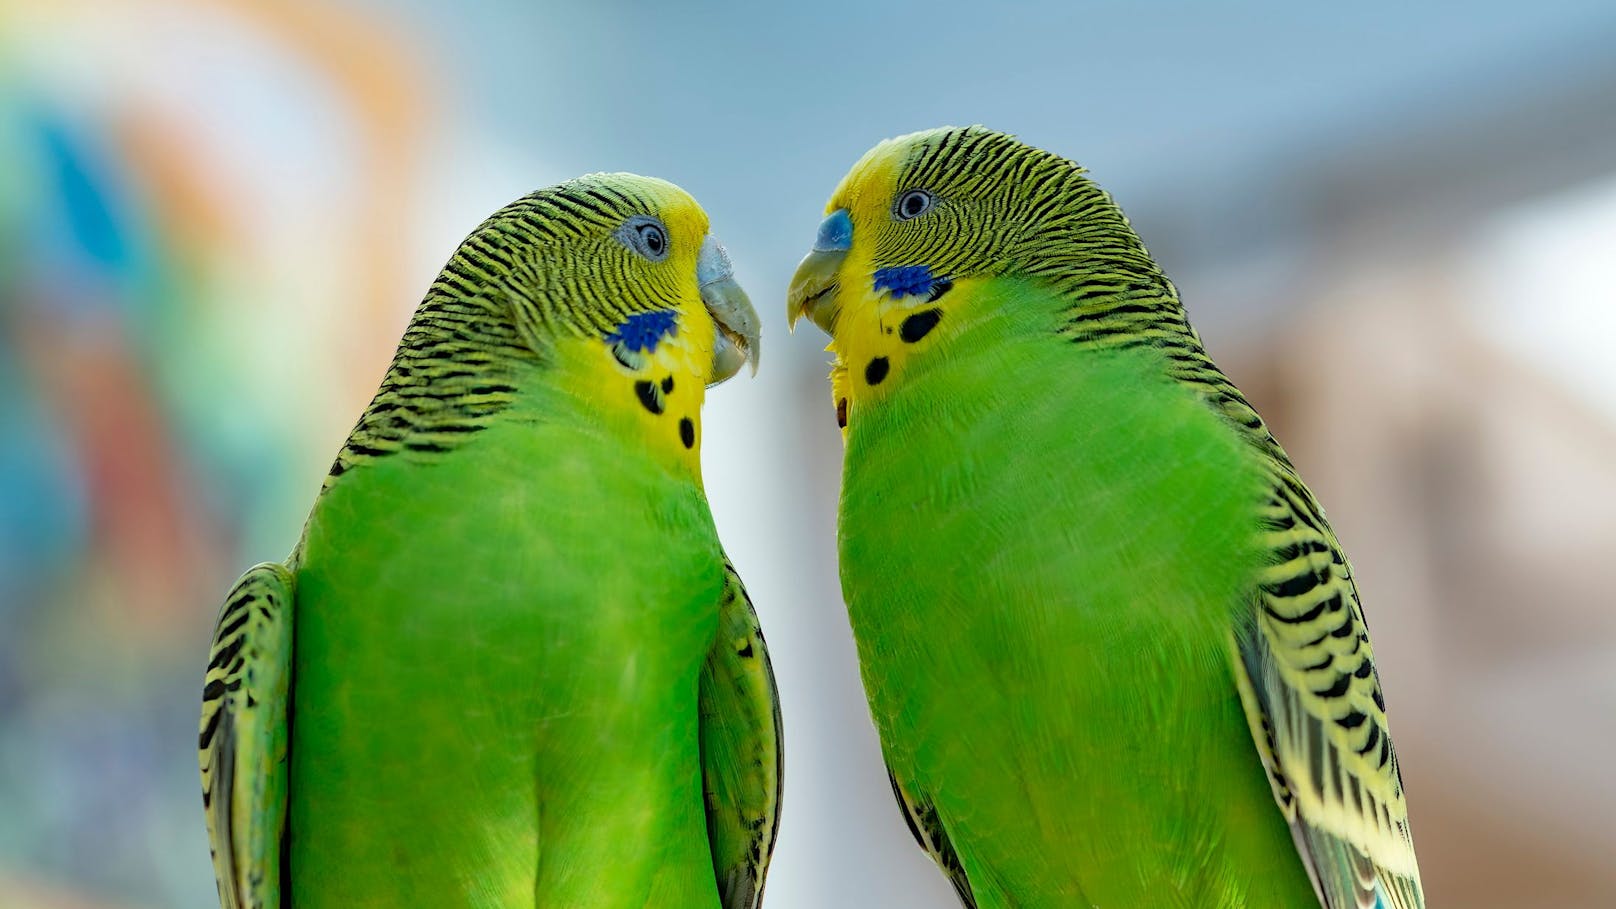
(243, 743)
(1307, 680)
(741, 750)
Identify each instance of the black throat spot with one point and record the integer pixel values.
(919, 324)
(649, 397)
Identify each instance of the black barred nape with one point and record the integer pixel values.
(558, 264)
(543, 267)
(453, 372)
(1005, 207)
(1048, 221)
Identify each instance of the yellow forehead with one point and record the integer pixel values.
(680, 213)
(872, 185)
(868, 188)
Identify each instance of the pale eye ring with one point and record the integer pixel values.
(646, 236)
(912, 204)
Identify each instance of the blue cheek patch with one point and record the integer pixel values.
(905, 281)
(644, 330)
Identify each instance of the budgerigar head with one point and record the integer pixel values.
(617, 256)
(922, 211)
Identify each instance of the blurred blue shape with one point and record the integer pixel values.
(85, 208)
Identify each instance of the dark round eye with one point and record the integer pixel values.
(912, 204)
(646, 236)
(653, 238)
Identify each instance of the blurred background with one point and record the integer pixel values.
(1395, 226)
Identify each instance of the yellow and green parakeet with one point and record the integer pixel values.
(508, 663)
(1102, 624)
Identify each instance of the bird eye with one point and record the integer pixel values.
(652, 237)
(646, 236)
(912, 204)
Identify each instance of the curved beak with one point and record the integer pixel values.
(814, 286)
(738, 328)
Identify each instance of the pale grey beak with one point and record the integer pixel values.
(739, 330)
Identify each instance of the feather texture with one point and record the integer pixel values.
(1103, 625)
(742, 750)
(517, 643)
(243, 742)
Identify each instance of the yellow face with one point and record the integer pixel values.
(621, 286)
(657, 394)
(921, 222)
(917, 219)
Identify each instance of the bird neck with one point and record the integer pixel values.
(644, 382)
(454, 371)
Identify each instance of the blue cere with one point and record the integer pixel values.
(835, 233)
(905, 281)
(644, 330)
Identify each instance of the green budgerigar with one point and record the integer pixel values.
(1103, 626)
(508, 663)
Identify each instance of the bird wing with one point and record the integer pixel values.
(928, 831)
(1312, 697)
(243, 743)
(741, 749)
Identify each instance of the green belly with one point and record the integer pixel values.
(1041, 576)
(495, 693)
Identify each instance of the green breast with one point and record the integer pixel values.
(1043, 551)
(496, 664)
